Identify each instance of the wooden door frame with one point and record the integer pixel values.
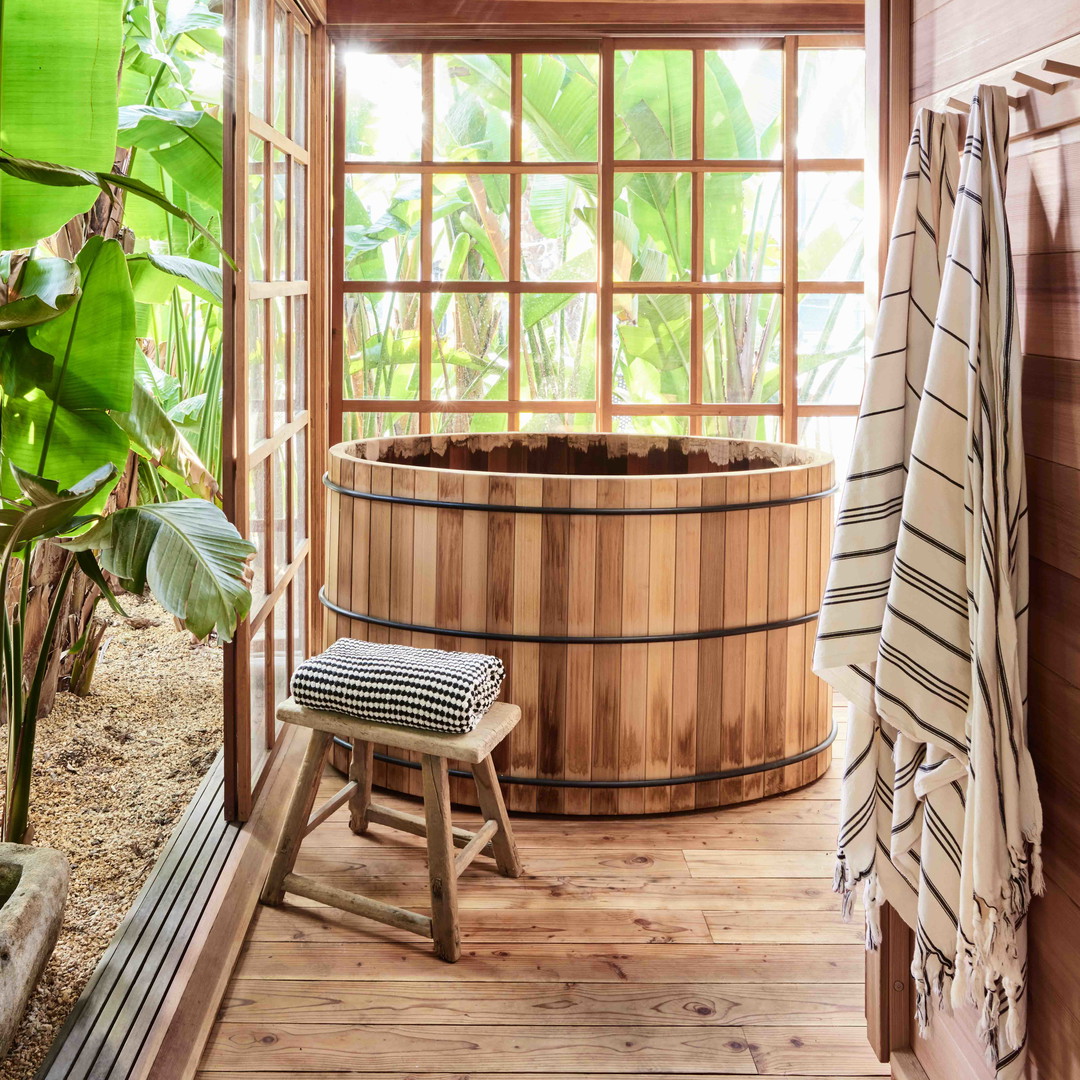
(889, 994)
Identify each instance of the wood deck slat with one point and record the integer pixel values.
(700, 944)
(608, 1004)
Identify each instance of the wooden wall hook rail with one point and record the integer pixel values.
(1041, 85)
(1059, 67)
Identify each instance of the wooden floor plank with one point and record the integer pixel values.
(814, 1051)
(694, 944)
(636, 963)
(823, 928)
(775, 864)
(373, 861)
(325, 1001)
(286, 1048)
(574, 926)
(599, 893)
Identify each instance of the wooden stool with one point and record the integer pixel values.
(494, 838)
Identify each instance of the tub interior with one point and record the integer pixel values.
(584, 455)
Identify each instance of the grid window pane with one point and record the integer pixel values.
(755, 428)
(281, 68)
(468, 423)
(256, 64)
(652, 227)
(651, 425)
(743, 96)
(378, 425)
(382, 227)
(299, 354)
(256, 370)
(560, 107)
(470, 351)
(831, 226)
(279, 483)
(558, 346)
(299, 222)
(382, 345)
(299, 87)
(831, 348)
(256, 530)
(258, 697)
(558, 238)
(550, 422)
(472, 107)
(470, 227)
(279, 346)
(298, 459)
(652, 349)
(741, 348)
(833, 434)
(743, 222)
(279, 216)
(382, 107)
(256, 208)
(831, 103)
(653, 104)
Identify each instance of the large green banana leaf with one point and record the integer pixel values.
(186, 143)
(77, 441)
(43, 288)
(92, 343)
(187, 552)
(58, 65)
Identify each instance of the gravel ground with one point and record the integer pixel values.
(113, 774)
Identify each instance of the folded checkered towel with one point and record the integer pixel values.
(397, 684)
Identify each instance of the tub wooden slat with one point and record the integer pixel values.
(528, 549)
(757, 614)
(733, 651)
(500, 598)
(554, 596)
(776, 669)
(684, 701)
(711, 650)
(596, 712)
(607, 666)
(796, 646)
(661, 664)
(580, 622)
(402, 568)
(633, 692)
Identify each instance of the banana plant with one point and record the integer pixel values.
(187, 553)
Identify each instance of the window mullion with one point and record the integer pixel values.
(427, 186)
(789, 361)
(513, 271)
(605, 218)
(697, 238)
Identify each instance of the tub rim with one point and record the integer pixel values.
(816, 458)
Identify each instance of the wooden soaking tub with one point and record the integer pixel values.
(654, 601)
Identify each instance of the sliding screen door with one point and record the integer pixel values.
(268, 199)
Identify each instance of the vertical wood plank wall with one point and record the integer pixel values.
(954, 41)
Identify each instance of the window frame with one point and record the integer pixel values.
(788, 410)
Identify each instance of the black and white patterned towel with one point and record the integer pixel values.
(397, 684)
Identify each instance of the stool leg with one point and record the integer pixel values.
(360, 774)
(489, 795)
(292, 830)
(440, 842)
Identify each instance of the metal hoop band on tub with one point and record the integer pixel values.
(660, 781)
(563, 639)
(591, 511)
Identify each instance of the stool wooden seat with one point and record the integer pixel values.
(494, 838)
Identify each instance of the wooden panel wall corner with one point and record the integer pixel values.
(953, 43)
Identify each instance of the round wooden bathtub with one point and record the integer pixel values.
(654, 601)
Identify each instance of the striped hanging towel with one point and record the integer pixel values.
(862, 565)
(951, 672)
